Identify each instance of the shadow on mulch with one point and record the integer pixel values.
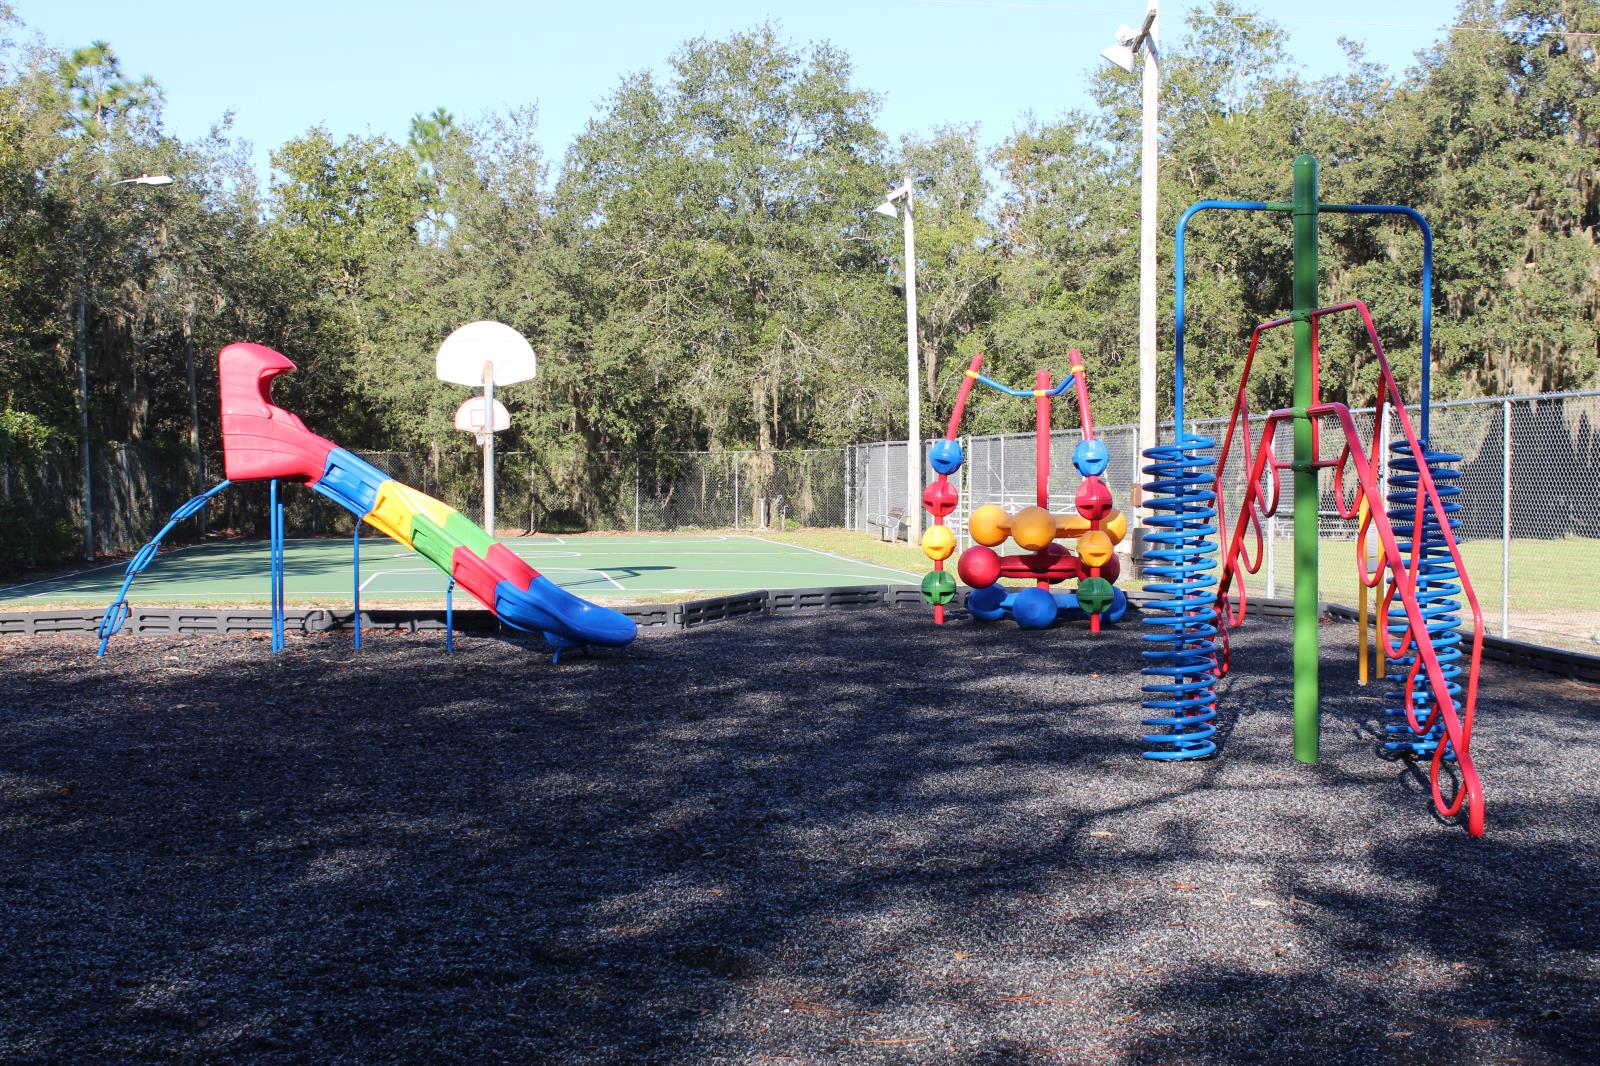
(844, 838)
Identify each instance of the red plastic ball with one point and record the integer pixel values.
(1112, 569)
(979, 567)
(940, 498)
(1093, 499)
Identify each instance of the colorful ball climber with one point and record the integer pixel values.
(1096, 528)
(940, 498)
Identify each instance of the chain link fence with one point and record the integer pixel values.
(1530, 503)
(1530, 518)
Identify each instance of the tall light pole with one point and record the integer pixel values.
(83, 367)
(1130, 43)
(913, 364)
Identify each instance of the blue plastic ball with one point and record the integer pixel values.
(1034, 608)
(984, 603)
(945, 456)
(1091, 457)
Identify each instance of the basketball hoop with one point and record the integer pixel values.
(485, 353)
(469, 418)
(463, 354)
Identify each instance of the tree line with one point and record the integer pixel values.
(701, 269)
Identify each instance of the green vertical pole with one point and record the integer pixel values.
(1306, 719)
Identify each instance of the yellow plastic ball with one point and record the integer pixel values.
(1033, 528)
(1094, 548)
(1115, 526)
(938, 542)
(989, 525)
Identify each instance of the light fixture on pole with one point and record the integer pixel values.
(1123, 54)
(83, 367)
(913, 363)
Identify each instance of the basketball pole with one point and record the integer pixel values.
(488, 447)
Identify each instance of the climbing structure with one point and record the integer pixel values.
(1179, 578)
(1423, 577)
(1422, 583)
(1096, 528)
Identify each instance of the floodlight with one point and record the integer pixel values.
(146, 179)
(886, 209)
(1119, 55)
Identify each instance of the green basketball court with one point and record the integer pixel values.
(318, 572)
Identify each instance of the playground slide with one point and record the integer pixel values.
(262, 441)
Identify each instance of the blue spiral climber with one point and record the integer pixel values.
(1180, 565)
(1438, 592)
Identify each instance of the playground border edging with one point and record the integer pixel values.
(167, 621)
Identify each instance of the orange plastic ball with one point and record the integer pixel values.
(1115, 524)
(1033, 528)
(989, 524)
(1094, 548)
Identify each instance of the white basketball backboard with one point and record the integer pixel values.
(469, 416)
(463, 354)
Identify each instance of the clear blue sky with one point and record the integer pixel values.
(367, 66)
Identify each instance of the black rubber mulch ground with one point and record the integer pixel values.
(848, 838)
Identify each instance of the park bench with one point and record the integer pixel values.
(891, 526)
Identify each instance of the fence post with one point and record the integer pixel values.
(636, 461)
(1002, 470)
(1272, 556)
(1505, 519)
(1383, 451)
(849, 472)
(966, 493)
(735, 490)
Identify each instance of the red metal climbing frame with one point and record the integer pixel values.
(1366, 460)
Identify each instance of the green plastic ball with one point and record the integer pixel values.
(1094, 594)
(939, 587)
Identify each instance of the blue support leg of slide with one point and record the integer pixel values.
(449, 617)
(275, 555)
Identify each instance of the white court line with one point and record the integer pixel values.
(436, 570)
(831, 555)
(755, 572)
(628, 540)
(726, 553)
(783, 575)
(412, 570)
(586, 570)
(77, 573)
